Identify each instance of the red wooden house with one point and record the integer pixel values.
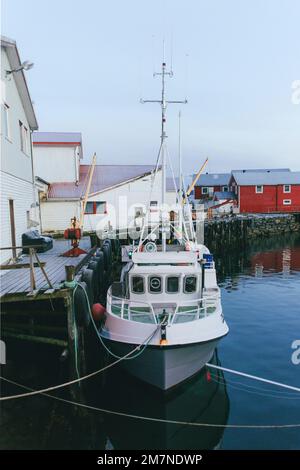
(209, 183)
(266, 191)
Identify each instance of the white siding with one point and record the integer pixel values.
(56, 164)
(16, 166)
(21, 193)
(122, 200)
(56, 216)
(13, 160)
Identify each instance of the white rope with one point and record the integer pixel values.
(254, 390)
(254, 377)
(142, 346)
(71, 382)
(161, 420)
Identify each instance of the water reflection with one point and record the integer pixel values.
(277, 254)
(202, 399)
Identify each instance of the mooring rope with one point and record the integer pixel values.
(80, 379)
(161, 420)
(253, 390)
(115, 356)
(254, 377)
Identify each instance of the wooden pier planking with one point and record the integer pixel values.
(18, 280)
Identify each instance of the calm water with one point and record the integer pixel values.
(261, 302)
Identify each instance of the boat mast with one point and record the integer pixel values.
(163, 102)
(180, 160)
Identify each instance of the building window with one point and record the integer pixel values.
(95, 207)
(287, 202)
(287, 188)
(153, 206)
(6, 128)
(225, 189)
(137, 285)
(259, 189)
(172, 284)
(207, 190)
(24, 138)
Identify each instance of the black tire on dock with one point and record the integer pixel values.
(116, 247)
(100, 262)
(93, 265)
(89, 277)
(106, 249)
(81, 306)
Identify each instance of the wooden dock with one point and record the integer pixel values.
(16, 282)
(57, 316)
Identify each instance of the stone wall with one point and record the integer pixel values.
(237, 231)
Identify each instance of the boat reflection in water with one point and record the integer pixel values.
(201, 399)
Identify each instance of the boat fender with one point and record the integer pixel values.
(106, 249)
(89, 278)
(98, 312)
(93, 265)
(81, 306)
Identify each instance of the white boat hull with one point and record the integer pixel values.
(165, 366)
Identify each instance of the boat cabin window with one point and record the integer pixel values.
(155, 284)
(190, 284)
(172, 284)
(137, 285)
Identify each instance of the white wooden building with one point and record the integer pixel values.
(19, 209)
(118, 192)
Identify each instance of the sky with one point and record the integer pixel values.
(235, 61)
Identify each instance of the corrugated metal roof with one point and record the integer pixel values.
(261, 170)
(224, 195)
(213, 179)
(266, 178)
(104, 177)
(56, 137)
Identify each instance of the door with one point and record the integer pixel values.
(12, 227)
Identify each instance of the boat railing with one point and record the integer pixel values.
(145, 312)
(195, 309)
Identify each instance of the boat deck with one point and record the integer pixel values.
(14, 281)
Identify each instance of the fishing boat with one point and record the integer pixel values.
(166, 308)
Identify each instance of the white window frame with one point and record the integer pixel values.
(259, 186)
(289, 188)
(24, 138)
(287, 202)
(154, 206)
(6, 121)
(207, 190)
(225, 188)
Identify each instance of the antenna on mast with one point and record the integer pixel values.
(164, 103)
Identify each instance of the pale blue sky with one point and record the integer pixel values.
(94, 59)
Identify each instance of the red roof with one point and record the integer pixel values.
(104, 177)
